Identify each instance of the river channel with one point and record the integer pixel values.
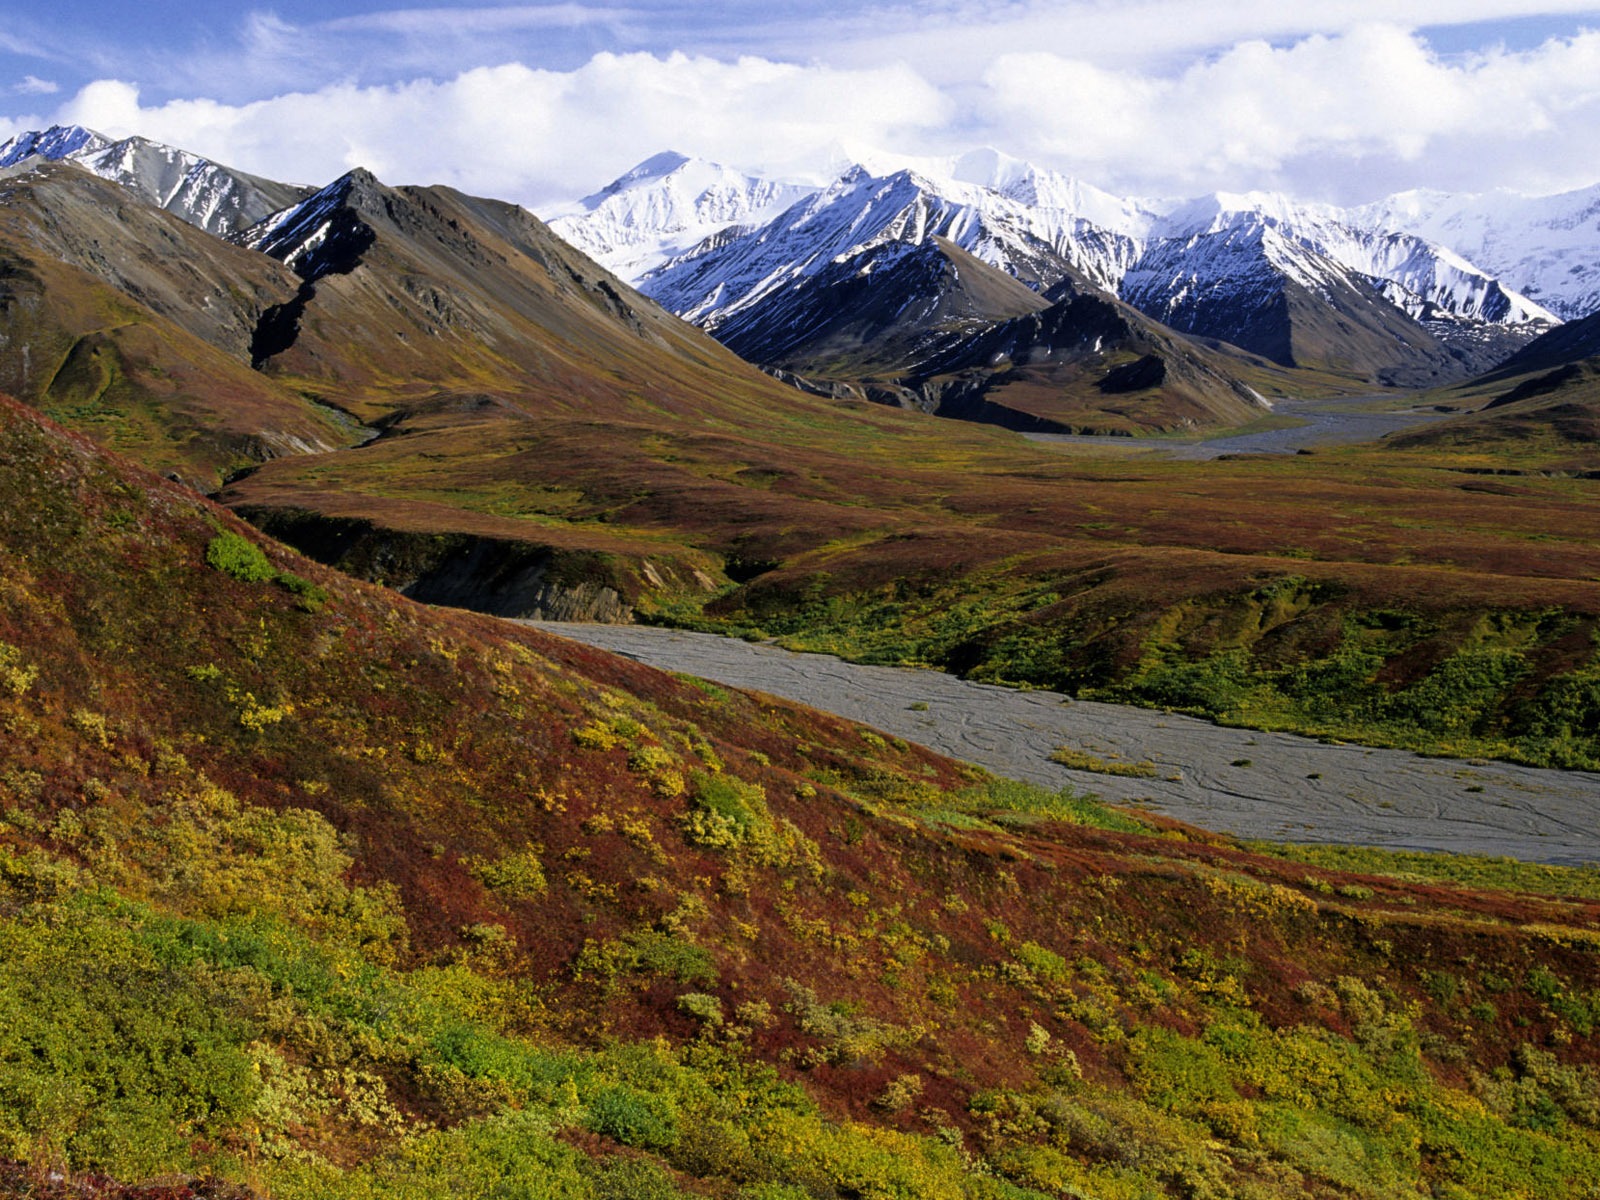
(1259, 785)
(1327, 422)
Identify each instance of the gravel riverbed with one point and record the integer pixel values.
(1260, 785)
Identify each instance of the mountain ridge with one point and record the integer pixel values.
(1102, 235)
(214, 197)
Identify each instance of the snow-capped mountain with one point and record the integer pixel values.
(1039, 224)
(1100, 234)
(1545, 247)
(923, 288)
(1248, 283)
(856, 213)
(216, 198)
(1219, 266)
(665, 206)
(1204, 265)
(54, 144)
(1424, 273)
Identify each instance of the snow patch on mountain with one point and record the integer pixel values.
(53, 144)
(324, 234)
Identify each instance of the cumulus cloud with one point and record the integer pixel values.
(1345, 116)
(1355, 114)
(946, 39)
(536, 135)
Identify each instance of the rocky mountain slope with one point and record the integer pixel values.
(216, 198)
(119, 317)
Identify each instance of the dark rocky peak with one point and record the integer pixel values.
(327, 233)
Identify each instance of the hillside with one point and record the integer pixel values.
(122, 319)
(311, 891)
(1539, 410)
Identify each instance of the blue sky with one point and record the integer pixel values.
(1343, 100)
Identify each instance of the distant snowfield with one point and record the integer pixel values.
(1293, 789)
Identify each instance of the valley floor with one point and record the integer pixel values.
(1259, 785)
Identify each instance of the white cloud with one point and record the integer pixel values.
(459, 22)
(1373, 106)
(32, 85)
(1344, 116)
(532, 135)
(947, 39)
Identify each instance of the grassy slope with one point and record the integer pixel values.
(333, 895)
(1534, 422)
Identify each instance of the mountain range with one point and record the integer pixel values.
(1352, 290)
(434, 391)
(218, 199)
(817, 284)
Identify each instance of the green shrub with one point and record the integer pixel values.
(15, 676)
(633, 1118)
(1045, 963)
(309, 596)
(1461, 693)
(107, 1056)
(1029, 801)
(704, 1008)
(646, 952)
(632, 1179)
(1082, 760)
(725, 812)
(240, 558)
(1211, 685)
